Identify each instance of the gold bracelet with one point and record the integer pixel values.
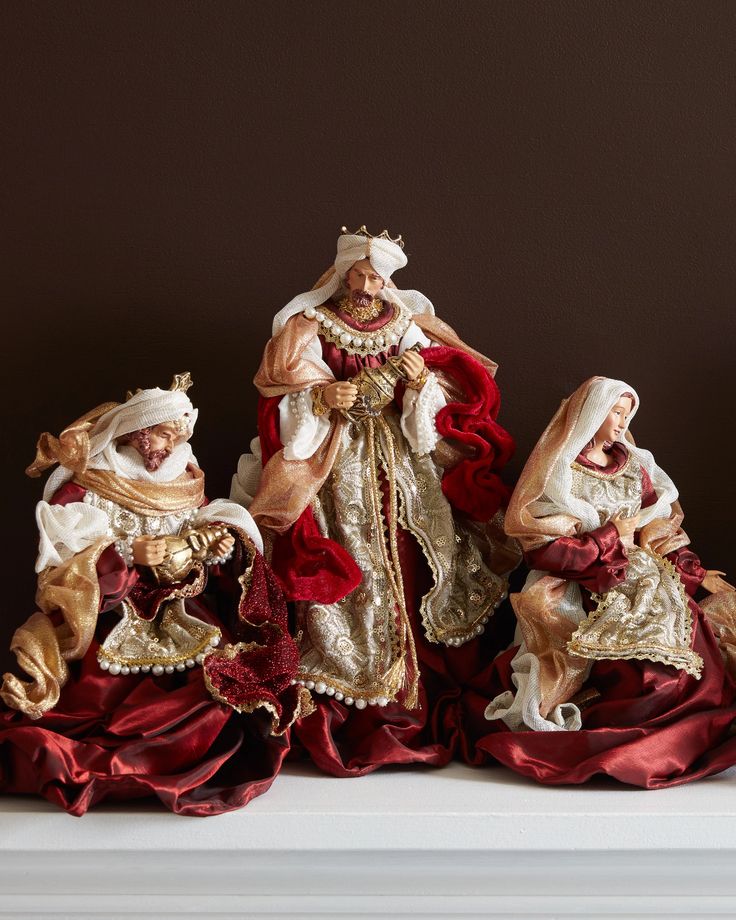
(419, 382)
(318, 404)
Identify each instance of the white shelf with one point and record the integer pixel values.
(455, 842)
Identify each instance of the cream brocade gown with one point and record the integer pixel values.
(647, 615)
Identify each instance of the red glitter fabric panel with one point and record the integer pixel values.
(259, 672)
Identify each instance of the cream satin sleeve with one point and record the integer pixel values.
(421, 406)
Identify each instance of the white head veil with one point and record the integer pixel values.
(144, 410)
(385, 256)
(603, 395)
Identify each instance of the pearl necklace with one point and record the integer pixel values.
(354, 342)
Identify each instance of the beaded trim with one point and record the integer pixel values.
(351, 340)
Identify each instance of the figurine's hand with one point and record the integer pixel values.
(149, 550)
(340, 395)
(413, 364)
(626, 526)
(714, 584)
(223, 545)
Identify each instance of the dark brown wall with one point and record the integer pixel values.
(173, 172)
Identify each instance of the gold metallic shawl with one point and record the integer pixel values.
(42, 649)
(151, 498)
(71, 448)
(287, 487)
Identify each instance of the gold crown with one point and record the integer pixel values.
(180, 382)
(383, 235)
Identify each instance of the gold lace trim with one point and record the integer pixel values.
(600, 474)
(687, 660)
(167, 660)
(495, 594)
(392, 563)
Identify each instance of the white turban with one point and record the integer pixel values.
(144, 410)
(385, 256)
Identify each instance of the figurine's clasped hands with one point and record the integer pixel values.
(149, 550)
(340, 395)
(626, 526)
(714, 584)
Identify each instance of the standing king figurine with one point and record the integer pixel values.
(381, 498)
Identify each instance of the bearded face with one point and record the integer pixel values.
(156, 443)
(363, 283)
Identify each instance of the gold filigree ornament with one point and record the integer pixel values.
(184, 550)
(352, 340)
(360, 313)
(376, 387)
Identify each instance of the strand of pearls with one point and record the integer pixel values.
(352, 342)
(116, 668)
(321, 687)
(220, 560)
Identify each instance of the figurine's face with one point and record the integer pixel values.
(166, 436)
(363, 278)
(156, 443)
(616, 422)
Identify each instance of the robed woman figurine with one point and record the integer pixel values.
(618, 670)
(381, 499)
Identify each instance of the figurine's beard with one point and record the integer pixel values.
(152, 459)
(361, 298)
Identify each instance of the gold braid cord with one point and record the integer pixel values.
(397, 675)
